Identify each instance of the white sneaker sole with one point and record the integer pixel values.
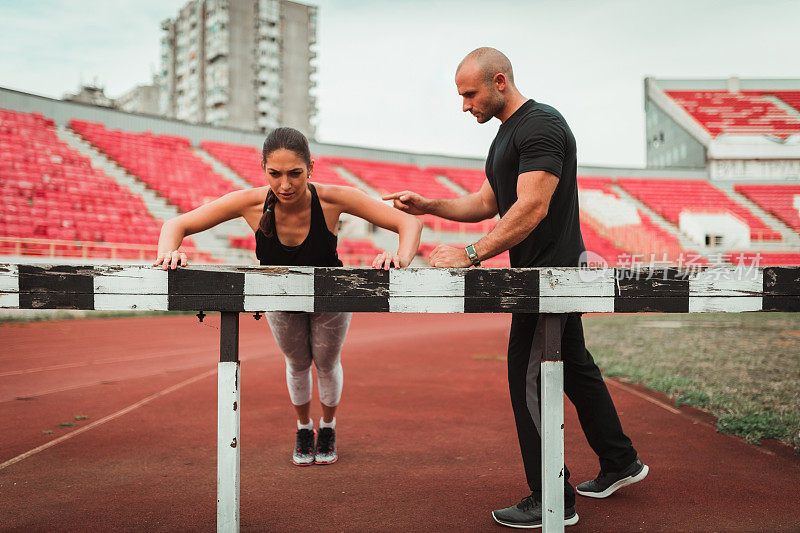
(567, 522)
(618, 485)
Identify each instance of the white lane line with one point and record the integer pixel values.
(108, 418)
(635, 392)
(160, 355)
(112, 379)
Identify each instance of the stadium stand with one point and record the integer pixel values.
(352, 252)
(628, 227)
(751, 258)
(246, 162)
(792, 98)
(165, 163)
(669, 197)
(737, 113)
(386, 177)
(470, 179)
(600, 245)
(55, 203)
(782, 201)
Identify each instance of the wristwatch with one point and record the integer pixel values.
(473, 255)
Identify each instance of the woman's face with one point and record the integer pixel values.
(287, 175)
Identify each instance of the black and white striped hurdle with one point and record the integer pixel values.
(409, 290)
(550, 291)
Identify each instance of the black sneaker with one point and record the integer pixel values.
(326, 447)
(304, 448)
(608, 482)
(528, 514)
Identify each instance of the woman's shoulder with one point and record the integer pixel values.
(250, 197)
(336, 194)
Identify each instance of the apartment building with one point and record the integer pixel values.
(246, 64)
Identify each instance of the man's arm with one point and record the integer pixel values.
(472, 207)
(534, 190)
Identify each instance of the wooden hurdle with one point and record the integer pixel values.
(548, 291)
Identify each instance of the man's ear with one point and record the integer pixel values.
(500, 81)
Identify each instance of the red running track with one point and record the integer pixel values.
(425, 431)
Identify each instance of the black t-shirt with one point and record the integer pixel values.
(536, 137)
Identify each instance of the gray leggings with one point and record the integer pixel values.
(307, 337)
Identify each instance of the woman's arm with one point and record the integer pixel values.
(408, 227)
(173, 231)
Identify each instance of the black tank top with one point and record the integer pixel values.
(319, 248)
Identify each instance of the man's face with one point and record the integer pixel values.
(480, 98)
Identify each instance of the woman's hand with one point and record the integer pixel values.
(385, 260)
(171, 259)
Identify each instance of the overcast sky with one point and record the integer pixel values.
(386, 67)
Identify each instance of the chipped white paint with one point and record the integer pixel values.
(552, 446)
(279, 289)
(733, 290)
(131, 288)
(228, 446)
(131, 302)
(416, 282)
(430, 304)
(590, 304)
(564, 282)
(9, 286)
(280, 281)
(130, 280)
(254, 303)
(426, 290)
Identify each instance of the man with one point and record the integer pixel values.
(531, 182)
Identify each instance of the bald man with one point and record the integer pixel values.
(531, 182)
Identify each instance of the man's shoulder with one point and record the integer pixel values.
(541, 115)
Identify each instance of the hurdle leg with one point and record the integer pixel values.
(228, 379)
(552, 368)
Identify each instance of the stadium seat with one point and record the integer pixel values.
(778, 200)
(55, 202)
(670, 197)
(165, 163)
(246, 162)
(740, 113)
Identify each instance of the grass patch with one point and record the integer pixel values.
(743, 368)
(27, 315)
(753, 426)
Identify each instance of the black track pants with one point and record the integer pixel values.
(584, 387)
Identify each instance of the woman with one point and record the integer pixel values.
(295, 223)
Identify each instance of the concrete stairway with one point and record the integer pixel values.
(790, 238)
(214, 241)
(357, 182)
(685, 242)
(453, 186)
(238, 227)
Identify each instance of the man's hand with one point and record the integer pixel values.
(447, 256)
(408, 202)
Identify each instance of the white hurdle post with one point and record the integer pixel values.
(228, 379)
(552, 376)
